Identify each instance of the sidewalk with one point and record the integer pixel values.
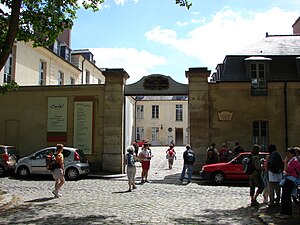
(267, 215)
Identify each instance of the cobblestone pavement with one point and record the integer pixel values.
(165, 200)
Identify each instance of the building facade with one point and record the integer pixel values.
(162, 119)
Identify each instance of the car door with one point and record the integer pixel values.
(236, 171)
(38, 161)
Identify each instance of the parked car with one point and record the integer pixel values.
(8, 158)
(232, 170)
(75, 161)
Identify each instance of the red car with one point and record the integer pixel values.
(232, 170)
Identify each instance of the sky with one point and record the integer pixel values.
(147, 37)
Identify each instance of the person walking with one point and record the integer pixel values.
(255, 179)
(145, 158)
(188, 163)
(131, 169)
(291, 174)
(59, 172)
(274, 167)
(171, 154)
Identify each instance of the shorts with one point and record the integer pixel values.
(145, 165)
(57, 173)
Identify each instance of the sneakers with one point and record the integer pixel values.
(134, 187)
(147, 181)
(55, 194)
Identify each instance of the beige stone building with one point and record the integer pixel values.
(162, 119)
(56, 65)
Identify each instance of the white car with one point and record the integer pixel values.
(75, 161)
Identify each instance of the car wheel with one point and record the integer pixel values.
(23, 172)
(218, 177)
(2, 171)
(72, 173)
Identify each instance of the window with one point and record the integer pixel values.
(179, 112)
(155, 131)
(140, 133)
(99, 81)
(42, 73)
(60, 78)
(260, 133)
(72, 80)
(140, 112)
(87, 77)
(8, 69)
(155, 112)
(258, 78)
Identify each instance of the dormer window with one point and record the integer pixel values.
(257, 68)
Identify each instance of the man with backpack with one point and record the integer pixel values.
(255, 179)
(188, 163)
(211, 154)
(275, 166)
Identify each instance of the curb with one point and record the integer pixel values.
(106, 176)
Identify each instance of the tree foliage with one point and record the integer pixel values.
(40, 21)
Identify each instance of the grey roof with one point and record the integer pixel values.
(274, 45)
(281, 51)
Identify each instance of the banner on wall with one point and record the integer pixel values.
(83, 125)
(57, 114)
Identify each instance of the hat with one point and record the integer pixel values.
(188, 146)
(130, 149)
(224, 144)
(291, 150)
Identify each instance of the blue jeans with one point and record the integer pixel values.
(189, 168)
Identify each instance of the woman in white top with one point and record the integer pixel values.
(145, 157)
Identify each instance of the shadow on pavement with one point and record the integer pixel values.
(41, 199)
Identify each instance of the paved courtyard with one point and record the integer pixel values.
(94, 200)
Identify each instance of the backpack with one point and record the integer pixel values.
(275, 163)
(51, 161)
(170, 153)
(248, 166)
(190, 157)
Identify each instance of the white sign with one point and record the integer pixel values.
(83, 125)
(57, 114)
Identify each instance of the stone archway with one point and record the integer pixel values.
(198, 102)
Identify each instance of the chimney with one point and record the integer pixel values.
(296, 26)
(65, 37)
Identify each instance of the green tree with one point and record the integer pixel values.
(40, 21)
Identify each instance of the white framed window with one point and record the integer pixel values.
(261, 133)
(140, 112)
(60, 78)
(8, 69)
(258, 78)
(155, 131)
(155, 111)
(42, 73)
(72, 80)
(179, 112)
(140, 133)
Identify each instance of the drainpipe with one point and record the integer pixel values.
(82, 63)
(286, 116)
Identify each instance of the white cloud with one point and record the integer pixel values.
(225, 33)
(135, 63)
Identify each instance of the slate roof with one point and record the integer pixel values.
(283, 50)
